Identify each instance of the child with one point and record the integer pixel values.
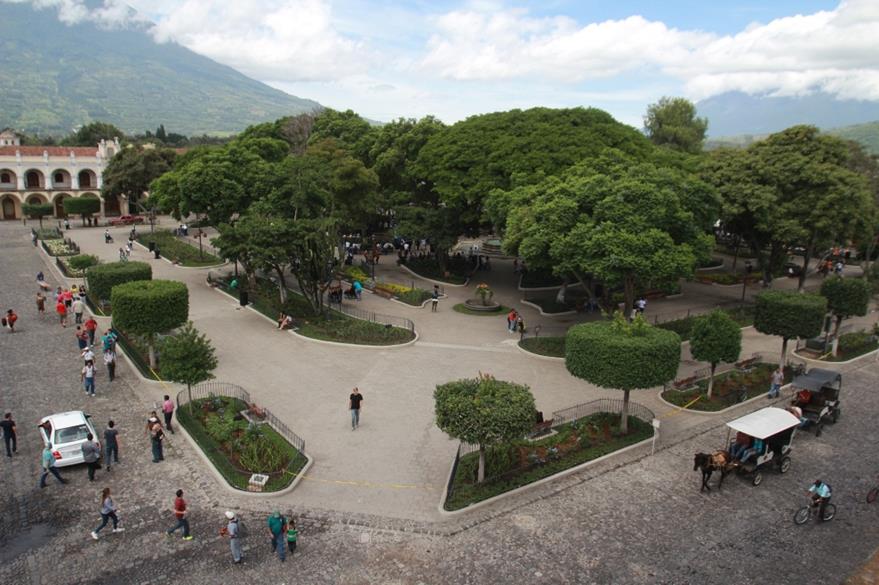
(10, 320)
(292, 534)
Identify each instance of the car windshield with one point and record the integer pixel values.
(71, 434)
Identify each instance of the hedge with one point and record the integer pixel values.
(789, 314)
(846, 297)
(148, 307)
(615, 354)
(82, 205)
(102, 278)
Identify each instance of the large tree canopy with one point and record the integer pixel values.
(92, 134)
(132, 170)
(672, 122)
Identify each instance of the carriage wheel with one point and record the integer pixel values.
(829, 512)
(835, 416)
(785, 465)
(802, 515)
(871, 495)
(758, 479)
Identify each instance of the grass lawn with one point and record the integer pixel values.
(548, 346)
(540, 279)
(333, 326)
(225, 455)
(178, 250)
(462, 308)
(458, 269)
(519, 463)
(744, 316)
(726, 388)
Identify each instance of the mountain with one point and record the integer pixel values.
(867, 134)
(58, 76)
(736, 113)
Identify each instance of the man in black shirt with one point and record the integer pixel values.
(354, 405)
(8, 426)
(111, 444)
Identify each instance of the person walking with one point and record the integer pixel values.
(91, 454)
(110, 362)
(90, 327)
(511, 320)
(434, 299)
(182, 516)
(10, 319)
(233, 531)
(111, 444)
(168, 411)
(41, 303)
(62, 312)
(108, 512)
(278, 533)
(157, 435)
(88, 377)
(354, 401)
(777, 381)
(47, 462)
(78, 308)
(9, 438)
(108, 340)
(82, 338)
(292, 534)
(520, 325)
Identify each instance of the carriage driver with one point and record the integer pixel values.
(821, 493)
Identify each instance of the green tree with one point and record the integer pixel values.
(150, 307)
(790, 315)
(102, 278)
(84, 206)
(846, 297)
(672, 122)
(626, 356)
(91, 134)
(131, 171)
(348, 129)
(38, 211)
(188, 358)
(484, 411)
(715, 338)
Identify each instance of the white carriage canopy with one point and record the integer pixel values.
(764, 423)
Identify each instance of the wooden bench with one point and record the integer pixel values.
(748, 363)
(684, 383)
(540, 429)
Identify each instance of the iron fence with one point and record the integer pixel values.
(610, 405)
(373, 317)
(680, 315)
(135, 353)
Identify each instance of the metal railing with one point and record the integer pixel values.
(611, 405)
(134, 353)
(680, 315)
(373, 317)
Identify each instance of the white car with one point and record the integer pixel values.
(67, 431)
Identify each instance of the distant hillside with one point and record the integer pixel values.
(736, 113)
(56, 77)
(867, 134)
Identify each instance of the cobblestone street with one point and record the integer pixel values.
(644, 522)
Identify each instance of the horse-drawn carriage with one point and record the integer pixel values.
(762, 438)
(817, 398)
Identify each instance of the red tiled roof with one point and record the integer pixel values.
(52, 150)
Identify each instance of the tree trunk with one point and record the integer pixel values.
(866, 266)
(563, 291)
(282, 284)
(41, 221)
(629, 291)
(189, 396)
(480, 473)
(711, 382)
(783, 352)
(836, 335)
(807, 258)
(624, 415)
(735, 259)
(152, 352)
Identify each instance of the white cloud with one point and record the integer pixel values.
(834, 51)
(112, 13)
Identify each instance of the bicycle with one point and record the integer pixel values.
(805, 513)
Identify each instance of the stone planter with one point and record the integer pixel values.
(477, 305)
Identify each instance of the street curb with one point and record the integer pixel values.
(825, 364)
(312, 340)
(539, 482)
(727, 409)
(225, 484)
(439, 282)
(535, 306)
(538, 356)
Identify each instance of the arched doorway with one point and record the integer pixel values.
(87, 179)
(34, 180)
(59, 205)
(111, 206)
(7, 207)
(35, 199)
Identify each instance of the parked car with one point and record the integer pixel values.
(67, 431)
(126, 220)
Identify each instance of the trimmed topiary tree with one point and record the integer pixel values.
(846, 297)
(38, 211)
(188, 358)
(103, 277)
(83, 261)
(715, 338)
(627, 356)
(484, 411)
(789, 314)
(83, 206)
(149, 307)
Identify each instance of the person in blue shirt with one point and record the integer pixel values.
(358, 289)
(821, 494)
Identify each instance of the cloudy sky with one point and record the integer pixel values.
(386, 59)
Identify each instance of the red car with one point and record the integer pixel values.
(126, 220)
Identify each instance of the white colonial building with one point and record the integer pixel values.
(44, 174)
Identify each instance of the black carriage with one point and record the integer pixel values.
(816, 394)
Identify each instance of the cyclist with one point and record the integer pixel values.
(821, 494)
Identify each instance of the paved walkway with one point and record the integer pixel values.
(397, 463)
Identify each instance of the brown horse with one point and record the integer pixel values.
(708, 464)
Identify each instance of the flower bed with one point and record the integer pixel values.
(178, 250)
(548, 346)
(48, 233)
(729, 388)
(519, 463)
(404, 294)
(353, 273)
(744, 316)
(59, 248)
(76, 266)
(238, 448)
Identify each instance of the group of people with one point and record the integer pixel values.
(515, 322)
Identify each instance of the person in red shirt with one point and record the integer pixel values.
(90, 327)
(180, 513)
(62, 312)
(11, 318)
(68, 298)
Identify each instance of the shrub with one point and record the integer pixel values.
(147, 307)
(789, 314)
(82, 261)
(38, 210)
(83, 206)
(103, 277)
(716, 337)
(852, 342)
